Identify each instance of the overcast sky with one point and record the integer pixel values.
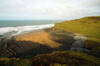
(48, 9)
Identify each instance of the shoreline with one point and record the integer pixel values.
(34, 31)
(13, 37)
(19, 30)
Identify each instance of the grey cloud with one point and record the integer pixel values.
(49, 9)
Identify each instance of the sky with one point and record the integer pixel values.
(48, 9)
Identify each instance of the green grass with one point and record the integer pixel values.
(57, 58)
(14, 62)
(69, 58)
(89, 26)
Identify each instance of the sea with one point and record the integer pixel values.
(15, 27)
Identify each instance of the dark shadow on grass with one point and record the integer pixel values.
(28, 49)
(12, 48)
(64, 38)
(93, 47)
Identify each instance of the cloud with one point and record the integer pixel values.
(48, 9)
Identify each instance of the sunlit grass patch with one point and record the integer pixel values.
(89, 26)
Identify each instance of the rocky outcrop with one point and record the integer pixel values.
(79, 43)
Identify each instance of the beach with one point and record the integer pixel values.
(10, 28)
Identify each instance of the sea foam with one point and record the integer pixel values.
(22, 29)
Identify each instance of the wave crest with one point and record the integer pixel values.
(22, 29)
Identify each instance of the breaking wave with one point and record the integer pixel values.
(22, 29)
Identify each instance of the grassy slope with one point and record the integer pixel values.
(58, 58)
(66, 57)
(89, 26)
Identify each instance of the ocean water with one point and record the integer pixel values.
(16, 27)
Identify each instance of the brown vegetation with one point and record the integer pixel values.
(41, 37)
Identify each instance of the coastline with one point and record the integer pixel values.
(37, 42)
(8, 32)
(34, 31)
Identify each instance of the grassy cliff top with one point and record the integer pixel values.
(89, 26)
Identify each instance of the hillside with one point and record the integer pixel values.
(65, 58)
(89, 26)
(58, 58)
(34, 43)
